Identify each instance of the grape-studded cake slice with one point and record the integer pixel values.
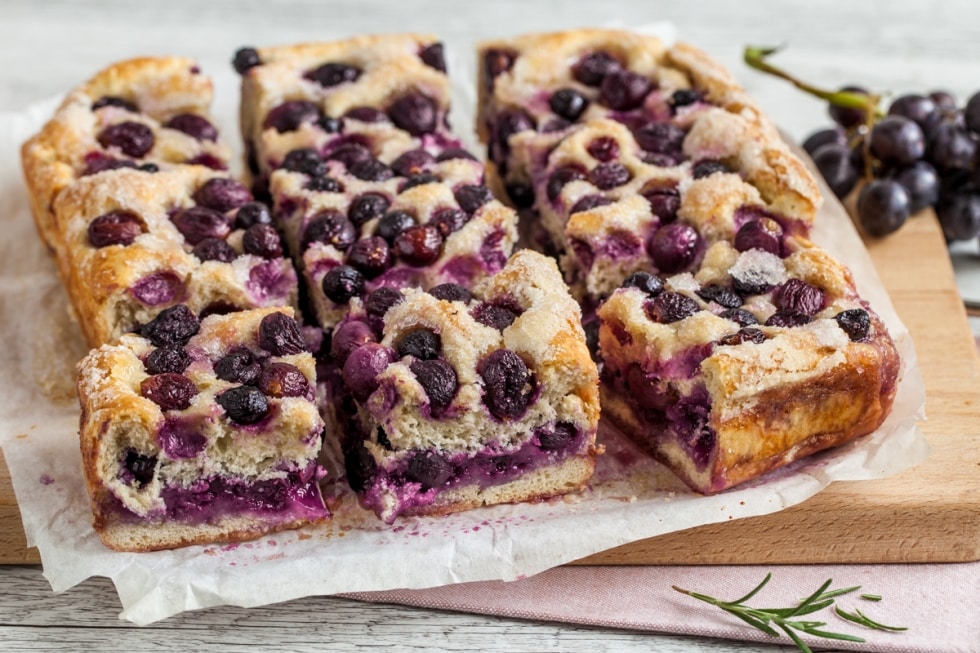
(464, 399)
(132, 244)
(201, 431)
(144, 114)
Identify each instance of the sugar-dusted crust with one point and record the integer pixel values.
(160, 88)
(118, 420)
(100, 281)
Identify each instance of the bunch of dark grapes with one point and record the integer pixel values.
(924, 152)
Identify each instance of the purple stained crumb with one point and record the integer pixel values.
(45, 479)
(491, 251)
(270, 280)
(181, 437)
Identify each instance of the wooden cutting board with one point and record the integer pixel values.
(930, 513)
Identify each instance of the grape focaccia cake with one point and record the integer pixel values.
(201, 431)
(735, 345)
(469, 399)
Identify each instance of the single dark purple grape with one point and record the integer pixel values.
(951, 147)
(290, 115)
(707, 168)
(788, 319)
(606, 176)
(371, 170)
(305, 160)
(648, 283)
(331, 227)
(415, 113)
(148, 167)
(855, 322)
(412, 162)
(449, 221)
(429, 469)
(497, 62)
(752, 283)
(765, 234)
(341, 283)
(244, 404)
(199, 222)
(367, 207)
(660, 138)
(214, 249)
(560, 177)
(169, 391)
(262, 240)
(739, 316)
(921, 181)
(381, 300)
(132, 138)
(451, 292)
(117, 227)
(392, 224)
(207, 160)
(521, 194)
(433, 56)
(370, 256)
(239, 365)
(507, 384)
(555, 438)
(172, 326)
(494, 316)
(362, 367)
(896, 140)
(471, 197)
(721, 295)
(743, 335)
(143, 468)
(674, 247)
(422, 343)
(959, 215)
(945, 101)
(360, 468)
(917, 108)
(589, 202)
(797, 296)
(102, 163)
(283, 380)
(280, 335)
(170, 358)
(452, 153)
(828, 136)
(222, 194)
(349, 154)
(510, 122)
(245, 58)
(623, 90)
(419, 245)
(593, 68)
(669, 307)
(569, 103)
(195, 126)
(603, 148)
(848, 117)
(331, 125)
(348, 336)
(251, 214)
(837, 168)
(684, 97)
(664, 203)
(420, 179)
(971, 113)
(333, 74)
(324, 184)
(114, 101)
(371, 115)
(882, 206)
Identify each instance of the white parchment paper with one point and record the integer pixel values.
(631, 497)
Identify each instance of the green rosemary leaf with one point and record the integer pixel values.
(871, 597)
(862, 619)
(754, 591)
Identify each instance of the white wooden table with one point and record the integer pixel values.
(46, 48)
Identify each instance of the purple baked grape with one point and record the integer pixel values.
(333, 74)
(429, 469)
(740, 316)
(603, 148)
(569, 103)
(412, 162)
(593, 68)
(239, 365)
(589, 202)
(920, 109)
(449, 221)
(305, 160)
(951, 147)
(452, 153)
(171, 358)
(683, 97)
(222, 194)
(433, 56)
(370, 256)
(959, 215)
(360, 467)
(214, 249)
(471, 197)
(660, 138)
(371, 170)
(341, 283)
(510, 122)
(330, 227)
(148, 167)
(664, 203)
(97, 162)
(451, 292)
(623, 90)
(707, 168)
(788, 319)
(555, 438)
(520, 194)
(648, 283)
(362, 367)
(169, 391)
(331, 125)
(114, 101)
(764, 233)
(674, 247)
(560, 177)
(921, 181)
(507, 384)
(207, 160)
(172, 326)
(848, 117)
(252, 214)
(158, 288)
(367, 207)
(855, 322)
(415, 113)
(494, 316)
(244, 404)
(669, 307)
(798, 296)
(896, 140)
(721, 295)
(420, 179)
(142, 468)
(291, 115)
(132, 138)
(245, 58)
(200, 222)
(195, 126)
(419, 245)
(350, 154)
(262, 240)
(392, 224)
(381, 300)
(371, 115)
(497, 62)
(606, 176)
(837, 167)
(971, 113)
(324, 184)
(743, 335)
(283, 380)
(438, 378)
(882, 207)
(348, 336)
(280, 335)
(117, 227)
(828, 136)
(945, 101)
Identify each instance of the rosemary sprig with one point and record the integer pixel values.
(859, 617)
(787, 619)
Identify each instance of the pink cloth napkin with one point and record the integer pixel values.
(938, 603)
